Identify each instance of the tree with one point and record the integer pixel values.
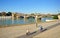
(0, 14)
(9, 14)
(55, 17)
(58, 13)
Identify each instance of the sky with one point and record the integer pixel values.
(30, 6)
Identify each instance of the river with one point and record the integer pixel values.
(20, 21)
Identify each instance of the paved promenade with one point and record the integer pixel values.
(51, 33)
(20, 31)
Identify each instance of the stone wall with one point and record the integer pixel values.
(5, 17)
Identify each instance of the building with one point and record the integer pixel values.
(58, 16)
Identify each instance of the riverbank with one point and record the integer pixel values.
(16, 31)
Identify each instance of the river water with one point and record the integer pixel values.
(21, 21)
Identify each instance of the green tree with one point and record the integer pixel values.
(0, 14)
(9, 14)
(58, 13)
(55, 17)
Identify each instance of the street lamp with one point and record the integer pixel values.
(36, 20)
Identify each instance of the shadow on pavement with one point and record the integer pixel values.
(32, 34)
